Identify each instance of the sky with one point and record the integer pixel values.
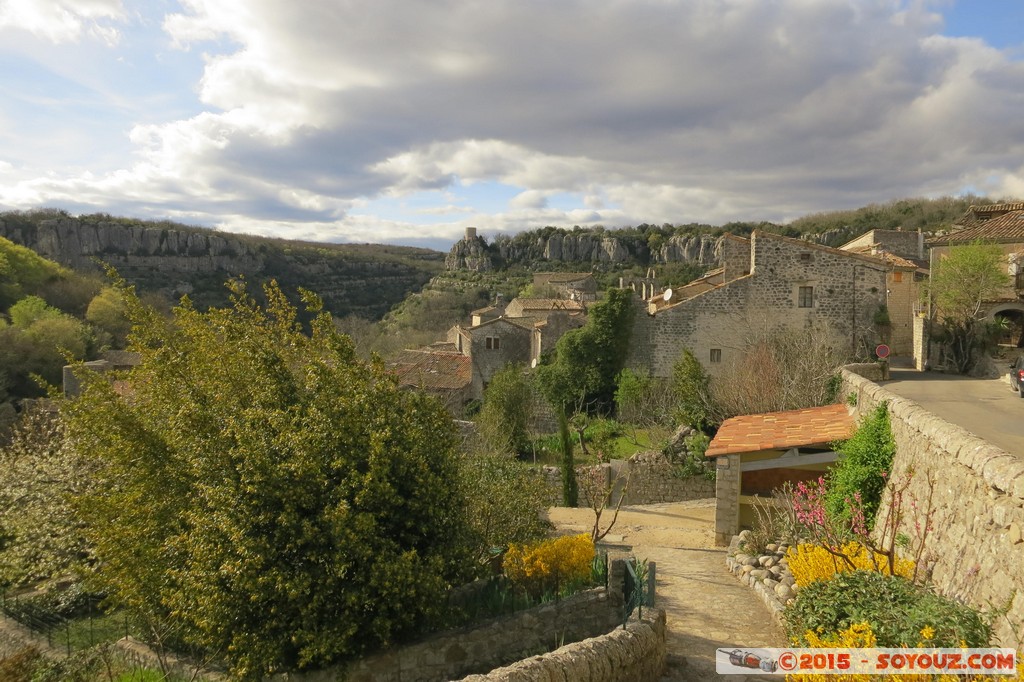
(404, 122)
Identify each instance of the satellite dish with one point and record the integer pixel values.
(667, 296)
(533, 363)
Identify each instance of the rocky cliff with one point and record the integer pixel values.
(613, 247)
(352, 279)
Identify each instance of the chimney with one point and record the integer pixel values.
(920, 244)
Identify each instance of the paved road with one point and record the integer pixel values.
(985, 407)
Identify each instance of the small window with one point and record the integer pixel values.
(806, 257)
(897, 277)
(806, 297)
(716, 355)
(1019, 281)
(493, 343)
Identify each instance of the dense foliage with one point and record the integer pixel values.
(864, 464)
(588, 360)
(504, 420)
(290, 506)
(896, 609)
(960, 284)
(40, 535)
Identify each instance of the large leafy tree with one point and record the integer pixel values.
(962, 281)
(504, 420)
(264, 494)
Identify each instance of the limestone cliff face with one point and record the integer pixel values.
(469, 253)
(702, 249)
(175, 260)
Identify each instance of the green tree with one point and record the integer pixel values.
(691, 385)
(864, 464)
(588, 359)
(107, 312)
(504, 420)
(268, 496)
(960, 284)
(40, 535)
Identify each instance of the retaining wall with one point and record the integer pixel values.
(635, 653)
(975, 548)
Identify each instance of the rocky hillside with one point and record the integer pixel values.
(173, 259)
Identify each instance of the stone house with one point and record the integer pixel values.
(908, 269)
(490, 346)
(1002, 225)
(577, 286)
(765, 282)
(546, 333)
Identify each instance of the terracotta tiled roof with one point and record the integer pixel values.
(432, 369)
(782, 430)
(890, 258)
(1008, 227)
(549, 304)
(481, 311)
(980, 213)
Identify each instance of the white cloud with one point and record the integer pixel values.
(61, 21)
(649, 110)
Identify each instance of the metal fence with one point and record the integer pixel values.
(639, 589)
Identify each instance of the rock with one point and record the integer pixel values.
(769, 583)
(759, 573)
(746, 569)
(1013, 534)
(776, 571)
(783, 592)
(772, 548)
(788, 580)
(769, 561)
(745, 535)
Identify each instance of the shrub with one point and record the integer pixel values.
(551, 566)
(896, 610)
(809, 563)
(865, 460)
(20, 665)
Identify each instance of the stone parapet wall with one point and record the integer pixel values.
(635, 653)
(975, 549)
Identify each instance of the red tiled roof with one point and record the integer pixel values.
(1008, 227)
(782, 430)
(432, 369)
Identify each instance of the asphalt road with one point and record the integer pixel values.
(986, 407)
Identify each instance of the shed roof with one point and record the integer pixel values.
(782, 430)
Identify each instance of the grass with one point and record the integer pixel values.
(620, 442)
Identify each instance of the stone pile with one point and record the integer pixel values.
(766, 572)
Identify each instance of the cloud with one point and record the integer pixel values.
(649, 110)
(61, 21)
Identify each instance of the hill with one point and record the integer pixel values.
(174, 259)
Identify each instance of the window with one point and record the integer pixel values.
(1019, 281)
(716, 355)
(897, 277)
(806, 297)
(493, 343)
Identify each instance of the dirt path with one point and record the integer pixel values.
(706, 606)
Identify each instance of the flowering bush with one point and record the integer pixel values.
(808, 562)
(550, 565)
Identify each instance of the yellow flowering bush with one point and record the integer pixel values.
(809, 562)
(550, 564)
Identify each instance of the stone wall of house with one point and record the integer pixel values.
(635, 653)
(975, 548)
(513, 346)
(847, 293)
(901, 298)
(485, 646)
(734, 255)
(920, 344)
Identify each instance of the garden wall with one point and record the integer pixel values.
(975, 548)
(635, 653)
(485, 646)
(653, 480)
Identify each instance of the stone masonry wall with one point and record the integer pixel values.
(976, 546)
(848, 290)
(635, 653)
(653, 481)
(485, 646)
